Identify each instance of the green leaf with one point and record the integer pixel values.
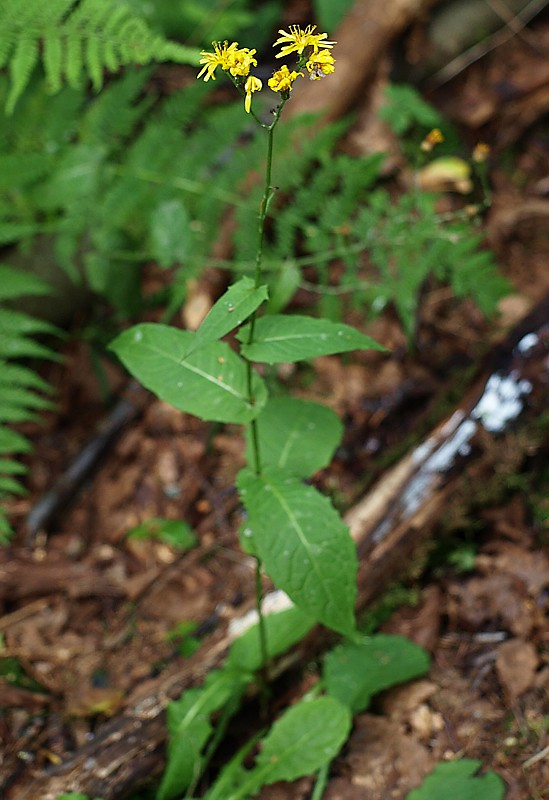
(9, 467)
(169, 232)
(309, 735)
(190, 728)
(24, 398)
(12, 442)
(175, 532)
(14, 283)
(233, 774)
(304, 545)
(283, 285)
(284, 337)
(295, 435)
(230, 311)
(211, 383)
(354, 672)
(283, 629)
(16, 375)
(10, 486)
(457, 780)
(18, 323)
(330, 14)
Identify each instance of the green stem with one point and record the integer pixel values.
(268, 192)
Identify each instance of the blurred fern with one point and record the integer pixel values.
(21, 389)
(75, 39)
(388, 245)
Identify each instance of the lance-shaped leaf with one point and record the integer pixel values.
(211, 383)
(309, 735)
(230, 311)
(354, 672)
(304, 545)
(284, 337)
(283, 629)
(190, 728)
(297, 436)
(457, 779)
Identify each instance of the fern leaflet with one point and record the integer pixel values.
(76, 39)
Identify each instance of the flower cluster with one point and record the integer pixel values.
(313, 50)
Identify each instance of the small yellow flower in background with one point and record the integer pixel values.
(253, 84)
(242, 61)
(223, 56)
(299, 39)
(481, 152)
(433, 138)
(320, 64)
(283, 79)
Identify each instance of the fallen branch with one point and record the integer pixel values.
(389, 524)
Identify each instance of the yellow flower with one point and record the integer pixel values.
(253, 84)
(282, 80)
(433, 138)
(299, 39)
(320, 65)
(223, 56)
(242, 61)
(481, 152)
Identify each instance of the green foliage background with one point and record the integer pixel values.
(108, 180)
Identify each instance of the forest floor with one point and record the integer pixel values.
(94, 611)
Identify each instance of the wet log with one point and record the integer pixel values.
(363, 39)
(395, 518)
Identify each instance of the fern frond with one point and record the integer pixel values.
(21, 389)
(76, 39)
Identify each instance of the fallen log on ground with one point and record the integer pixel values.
(389, 525)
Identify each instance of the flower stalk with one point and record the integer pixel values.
(314, 56)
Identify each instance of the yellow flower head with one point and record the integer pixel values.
(481, 152)
(433, 138)
(242, 61)
(223, 56)
(320, 64)
(283, 79)
(253, 84)
(297, 40)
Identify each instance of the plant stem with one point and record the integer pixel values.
(268, 192)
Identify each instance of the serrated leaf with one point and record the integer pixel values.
(304, 545)
(14, 283)
(457, 780)
(211, 383)
(284, 337)
(190, 728)
(295, 435)
(169, 232)
(354, 672)
(230, 311)
(309, 735)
